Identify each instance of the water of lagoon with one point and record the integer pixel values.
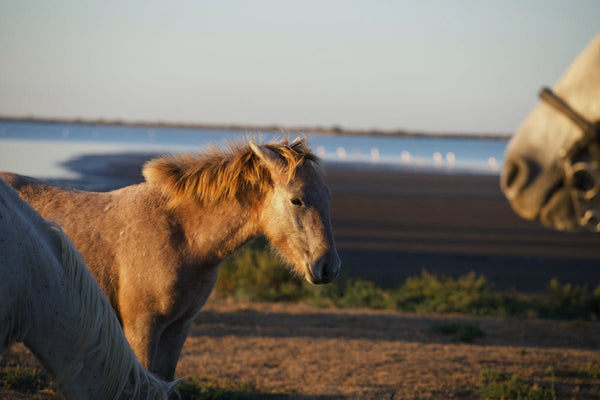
(27, 147)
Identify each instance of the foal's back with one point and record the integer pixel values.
(109, 229)
(128, 238)
(51, 303)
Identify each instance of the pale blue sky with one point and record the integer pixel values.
(457, 66)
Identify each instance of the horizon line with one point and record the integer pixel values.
(334, 129)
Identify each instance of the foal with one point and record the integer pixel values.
(52, 304)
(155, 247)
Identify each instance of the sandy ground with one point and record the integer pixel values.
(325, 354)
(293, 351)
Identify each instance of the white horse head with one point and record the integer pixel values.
(552, 164)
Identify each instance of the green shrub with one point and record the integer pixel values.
(568, 301)
(464, 333)
(591, 371)
(438, 293)
(350, 294)
(498, 386)
(517, 389)
(194, 389)
(488, 375)
(587, 371)
(191, 389)
(254, 273)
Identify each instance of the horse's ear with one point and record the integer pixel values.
(271, 160)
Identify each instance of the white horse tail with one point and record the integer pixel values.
(103, 349)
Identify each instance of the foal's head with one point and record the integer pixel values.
(295, 210)
(283, 185)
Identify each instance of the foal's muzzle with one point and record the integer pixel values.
(325, 270)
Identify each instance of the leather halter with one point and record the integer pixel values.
(591, 131)
(580, 177)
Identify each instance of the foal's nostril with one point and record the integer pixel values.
(325, 272)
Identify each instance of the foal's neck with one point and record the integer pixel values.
(214, 232)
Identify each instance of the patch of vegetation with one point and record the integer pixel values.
(25, 379)
(350, 293)
(491, 375)
(569, 302)
(498, 386)
(256, 274)
(588, 371)
(194, 389)
(470, 294)
(463, 333)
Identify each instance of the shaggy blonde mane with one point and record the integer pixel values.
(223, 173)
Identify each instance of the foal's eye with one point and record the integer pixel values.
(297, 202)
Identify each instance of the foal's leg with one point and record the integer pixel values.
(142, 334)
(169, 348)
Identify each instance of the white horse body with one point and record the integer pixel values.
(533, 178)
(52, 304)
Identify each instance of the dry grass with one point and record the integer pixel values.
(293, 351)
(316, 353)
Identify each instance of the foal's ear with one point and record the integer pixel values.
(271, 160)
(296, 141)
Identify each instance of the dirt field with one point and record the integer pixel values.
(291, 351)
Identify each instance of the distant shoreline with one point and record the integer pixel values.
(333, 130)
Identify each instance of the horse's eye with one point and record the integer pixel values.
(297, 202)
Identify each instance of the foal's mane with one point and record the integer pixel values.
(223, 172)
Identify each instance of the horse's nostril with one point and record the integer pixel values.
(512, 170)
(325, 272)
(512, 175)
(517, 174)
(583, 181)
